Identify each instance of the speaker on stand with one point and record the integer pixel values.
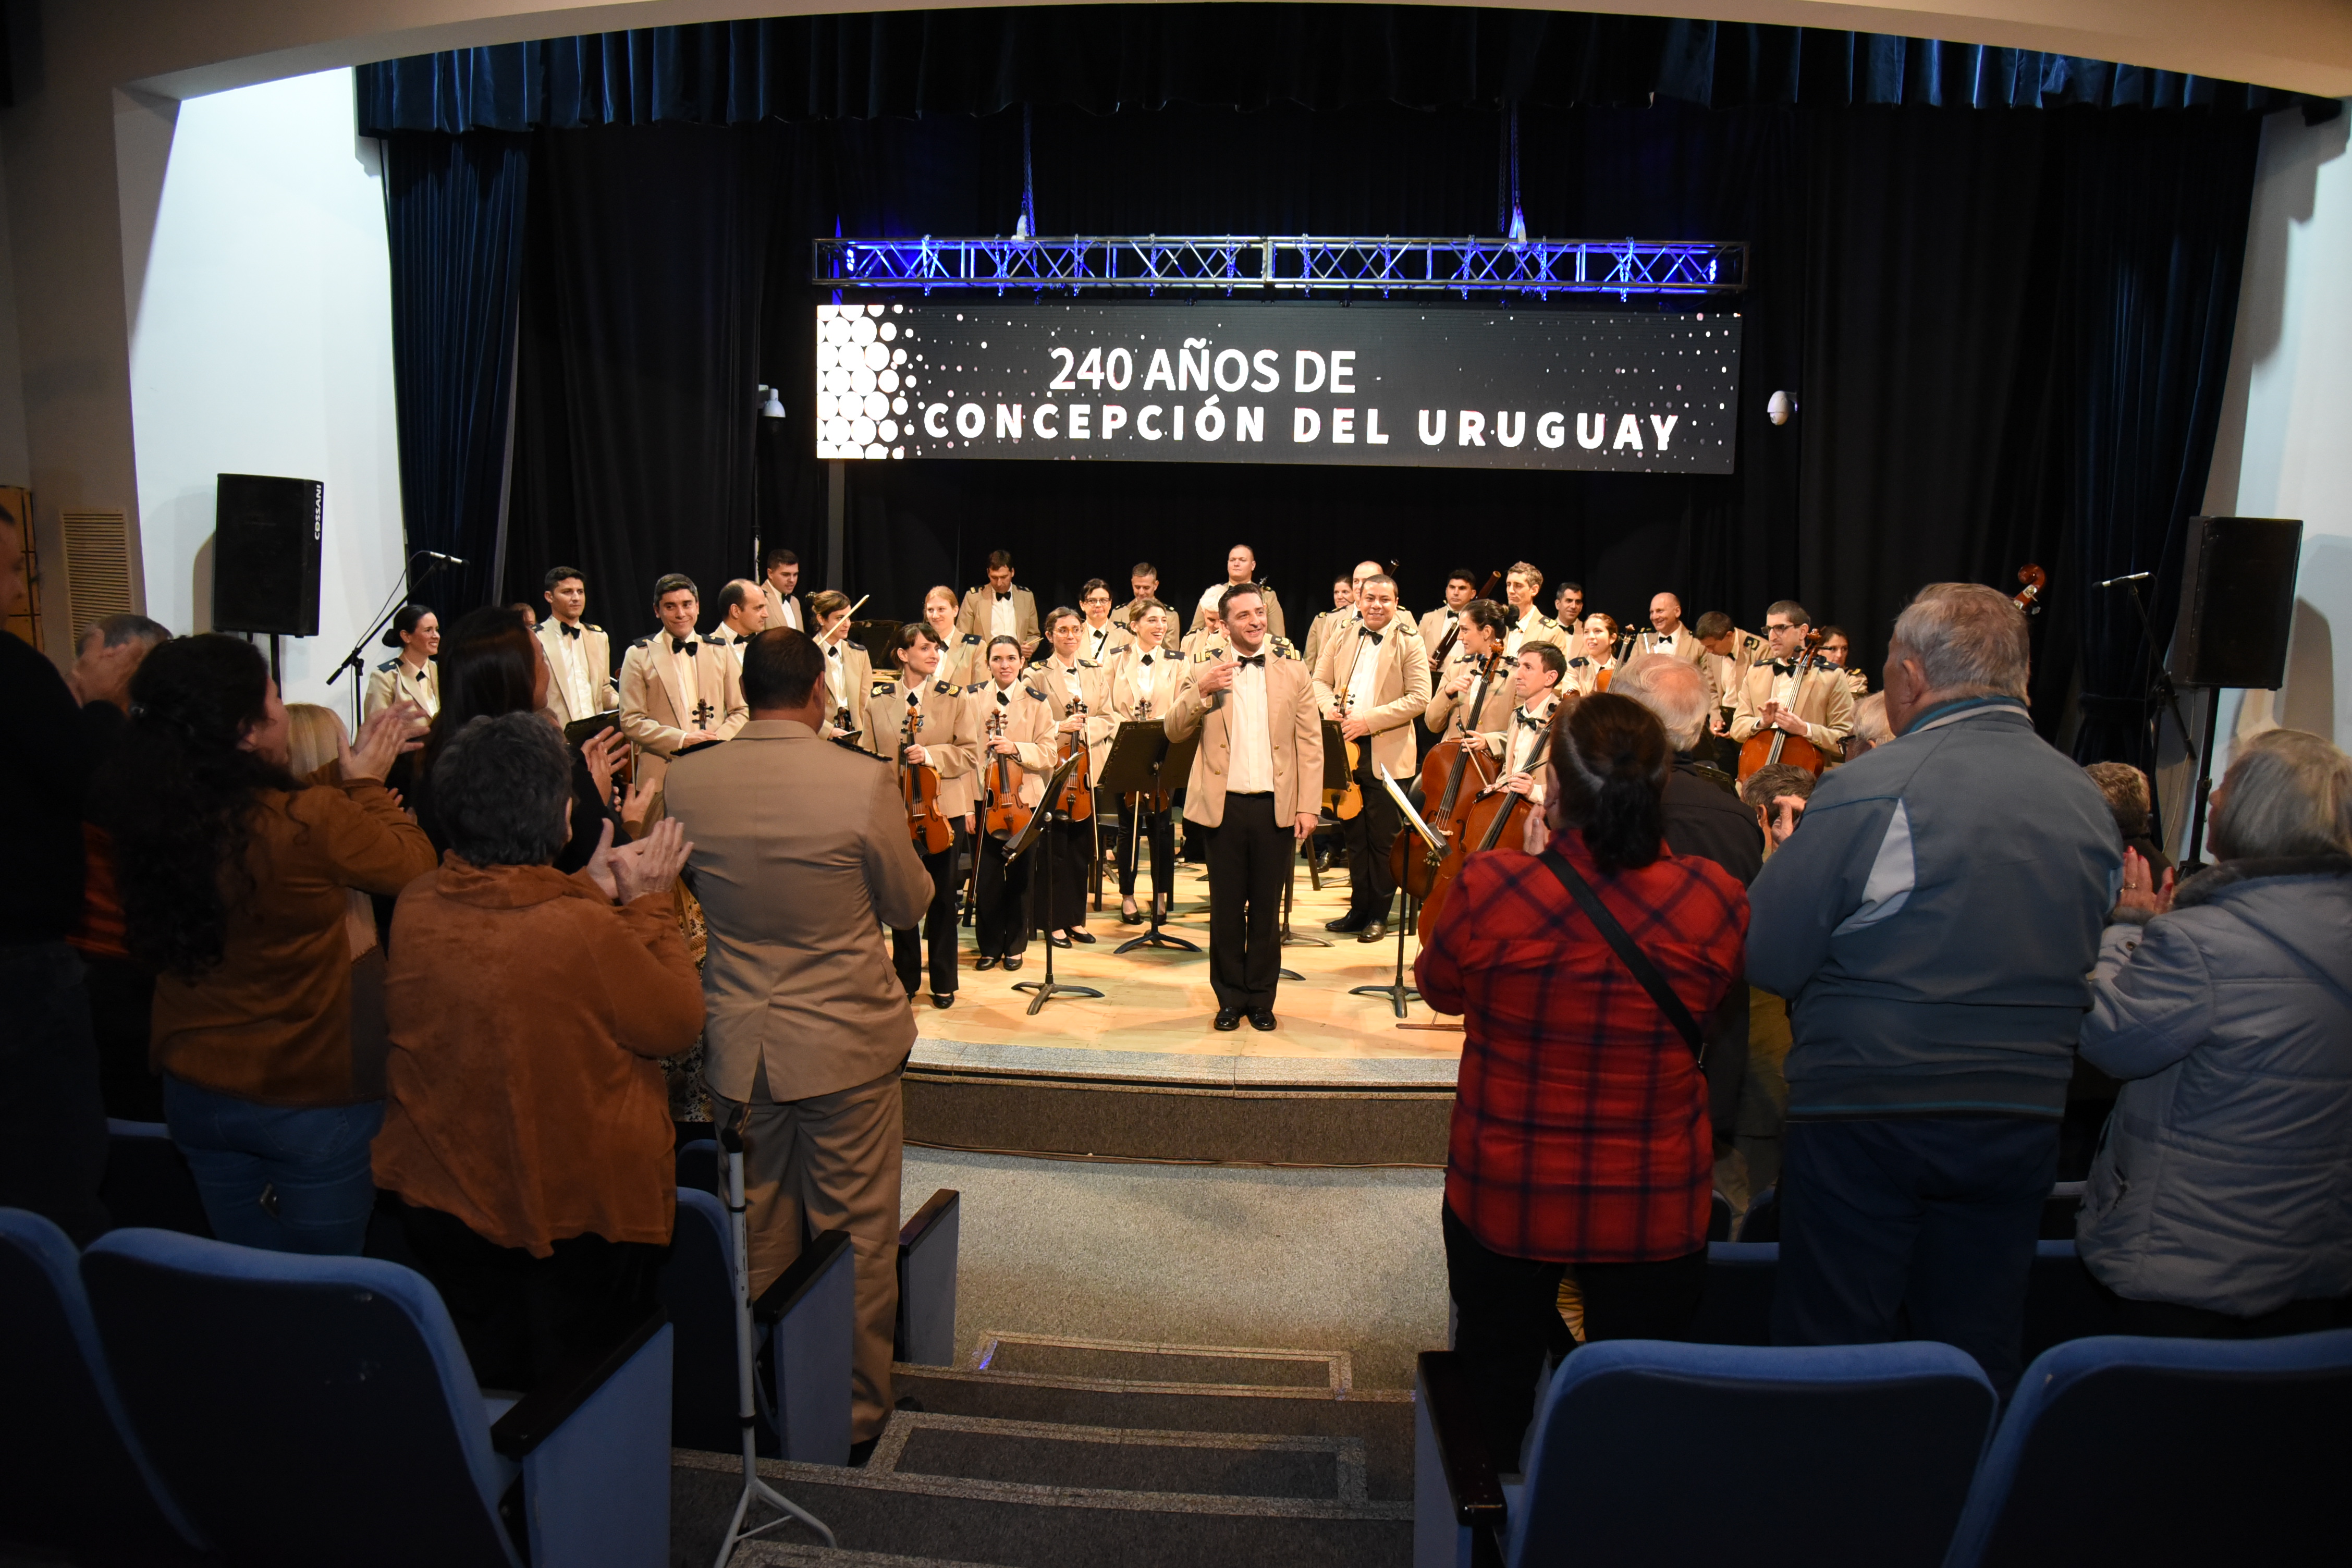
(2237, 602)
(266, 536)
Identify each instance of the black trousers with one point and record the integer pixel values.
(520, 1317)
(1062, 891)
(1249, 860)
(53, 1140)
(1367, 834)
(999, 917)
(1507, 1320)
(1159, 837)
(937, 932)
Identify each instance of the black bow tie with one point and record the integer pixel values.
(1367, 632)
(567, 628)
(417, 674)
(1784, 666)
(687, 647)
(1579, 663)
(1004, 596)
(1530, 719)
(1257, 658)
(833, 652)
(1146, 661)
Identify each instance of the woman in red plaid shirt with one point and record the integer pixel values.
(1581, 1135)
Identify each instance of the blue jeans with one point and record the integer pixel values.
(1912, 1229)
(281, 1177)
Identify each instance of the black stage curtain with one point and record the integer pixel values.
(454, 220)
(634, 408)
(1107, 58)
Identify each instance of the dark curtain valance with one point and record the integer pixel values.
(1103, 58)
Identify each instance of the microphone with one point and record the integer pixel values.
(445, 560)
(2127, 577)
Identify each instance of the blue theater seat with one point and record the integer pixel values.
(1737, 1307)
(73, 1478)
(309, 1410)
(2163, 1452)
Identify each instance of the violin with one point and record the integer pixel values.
(1076, 800)
(1005, 813)
(918, 786)
(1486, 819)
(1777, 745)
(1348, 802)
(1442, 773)
(1445, 647)
(1162, 793)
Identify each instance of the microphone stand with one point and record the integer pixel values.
(356, 660)
(2159, 686)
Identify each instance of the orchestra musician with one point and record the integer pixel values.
(1461, 588)
(1257, 780)
(1819, 708)
(1343, 600)
(1668, 634)
(1521, 583)
(1071, 688)
(1144, 578)
(579, 656)
(1837, 648)
(848, 668)
(963, 656)
(412, 673)
(1520, 744)
(1375, 683)
(1016, 751)
(1241, 567)
(671, 697)
(1206, 640)
(1568, 605)
(1001, 609)
(781, 589)
(742, 615)
(1144, 676)
(1729, 655)
(945, 742)
(1482, 625)
(1101, 637)
(1595, 655)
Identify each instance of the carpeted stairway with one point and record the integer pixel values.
(1055, 1453)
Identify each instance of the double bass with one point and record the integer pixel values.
(1485, 818)
(1774, 744)
(918, 786)
(1414, 865)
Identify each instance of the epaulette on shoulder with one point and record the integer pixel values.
(950, 689)
(972, 637)
(880, 687)
(388, 665)
(1088, 664)
(586, 628)
(641, 642)
(1034, 691)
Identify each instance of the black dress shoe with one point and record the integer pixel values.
(1129, 915)
(1080, 933)
(1228, 1019)
(1059, 941)
(1376, 931)
(1262, 1019)
(1013, 962)
(1346, 925)
(942, 998)
(986, 963)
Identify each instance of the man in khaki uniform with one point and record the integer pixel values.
(1375, 682)
(945, 742)
(672, 696)
(1257, 779)
(1668, 634)
(1522, 584)
(742, 615)
(1001, 609)
(579, 656)
(1818, 708)
(782, 590)
(801, 856)
(1461, 588)
(1241, 567)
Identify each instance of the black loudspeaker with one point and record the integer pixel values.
(266, 554)
(2237, 598)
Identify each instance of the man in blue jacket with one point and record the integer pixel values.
(1932, 925)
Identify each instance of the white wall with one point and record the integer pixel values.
(261, 344)
(2285, 443)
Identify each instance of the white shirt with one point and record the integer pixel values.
(1665, 642)
(1516, 635)
(580, 696)
(1250, 769)
(1091, 641)
(1364, 676)
(835, 675)
(792, 612)
(1784, 692)
(688, 690)
(1001, 612)
(1069, 674)
(1522, 745)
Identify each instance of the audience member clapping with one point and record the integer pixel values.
(2220, 1203)
(1580, 1131)
(2127, 792)
(234, 875)
(1776, 793)
(527, 1129)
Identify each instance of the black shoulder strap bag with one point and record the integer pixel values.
(1621, 941)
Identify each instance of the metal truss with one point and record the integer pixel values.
(1297, 264)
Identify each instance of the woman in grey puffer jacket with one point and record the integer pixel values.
(2220, 1201)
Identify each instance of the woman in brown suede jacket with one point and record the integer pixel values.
(527, 1127)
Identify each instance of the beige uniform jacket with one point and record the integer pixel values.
(1134, 692)
(1494, 705)
(1400, 691)
(385, 683)
(801, 859)
(1049, 682)
(973, 617)
(596, 649)
(1274, 628)
(1294, 730)
(1434, 628)
(943, 729)
(849, 664)
(1535, 627)
(1027, 720)
(1584, 674)
(654, 717)
(1311, 650)
(1822, 699)
(1685, 646)
(778, 615)
(964, 659)
(1101, 650)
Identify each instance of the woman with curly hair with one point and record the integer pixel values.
(234, 875)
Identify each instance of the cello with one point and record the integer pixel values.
(2035, 579)
(918, 786)
(1486, 820)
(1774, 744)
(1413, 865)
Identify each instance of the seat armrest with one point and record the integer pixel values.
(799, 1279)
(1472, 1477)
(925, 1217)
(535, 1418)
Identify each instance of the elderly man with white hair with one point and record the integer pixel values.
(1932, 926)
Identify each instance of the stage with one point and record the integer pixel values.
(1141, 1074)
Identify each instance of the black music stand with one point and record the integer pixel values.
(1140, 753)
(1397, 992)
(1021, 845)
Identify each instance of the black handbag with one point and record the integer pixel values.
(1622, 941)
